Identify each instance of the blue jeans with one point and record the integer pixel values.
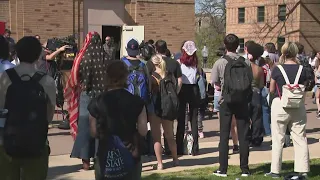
(266, 113)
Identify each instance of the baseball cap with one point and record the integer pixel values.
(189, 47)
(132, 47)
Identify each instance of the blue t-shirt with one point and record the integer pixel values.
(5, 64)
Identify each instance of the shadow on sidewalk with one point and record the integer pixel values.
(189, 163)
(55, 172)
(63, 133)
(314, 130)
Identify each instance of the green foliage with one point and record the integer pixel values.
(209, 37)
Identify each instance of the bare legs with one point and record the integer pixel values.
(317, 99)
(156, 135)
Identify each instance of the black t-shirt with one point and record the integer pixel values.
(291, 71)
(122, 105)
(172, 66)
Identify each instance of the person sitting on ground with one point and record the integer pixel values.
(120, 114)
(282, 118)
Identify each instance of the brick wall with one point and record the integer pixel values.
(47, 18)
(266, 31)
(310, 25)
(171, 20)
(4, 11)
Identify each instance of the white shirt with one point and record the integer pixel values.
(313, 61)
(189, 74)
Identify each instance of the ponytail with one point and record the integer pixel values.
(163, 67)
(158, 61)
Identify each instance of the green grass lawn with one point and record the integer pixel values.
(234, 172)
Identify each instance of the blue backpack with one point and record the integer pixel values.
(137, 80)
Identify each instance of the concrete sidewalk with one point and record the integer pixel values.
(64, 168)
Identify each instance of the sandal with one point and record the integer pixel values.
(157, 167)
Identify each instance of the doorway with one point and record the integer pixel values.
(115, 33)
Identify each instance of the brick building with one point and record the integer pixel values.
(275, 21)
(171, 20)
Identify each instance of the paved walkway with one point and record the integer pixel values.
(64, 168)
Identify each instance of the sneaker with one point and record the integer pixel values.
(201, 135)
(245, 174)
(219, 174)
(235, 149)
(272, 175)
(318, 115)
(305, 175)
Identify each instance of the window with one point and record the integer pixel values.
(241, 45)
(241, 15)
(280, 42)
(282, 12)
(261, 14)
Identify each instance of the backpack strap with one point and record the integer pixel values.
(13, 75)
(296, 81)
(156, 75)
(38, 76)
(284, 74)
(228, 58)
(125, 60)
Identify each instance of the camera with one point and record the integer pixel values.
(65, 59)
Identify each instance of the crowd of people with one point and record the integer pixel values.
(112, 101)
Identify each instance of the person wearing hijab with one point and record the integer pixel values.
(85, 82)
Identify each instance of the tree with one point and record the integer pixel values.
(216, 11)
(213, 40)
(273, 28)
(211, 35)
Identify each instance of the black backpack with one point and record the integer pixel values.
(26, 127)
(237, 81)
(147, 50)
(310, 83)
(168, 97)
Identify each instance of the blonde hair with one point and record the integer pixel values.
(158, 61)
(289, 51)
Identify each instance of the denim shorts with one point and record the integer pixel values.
(216, 105)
